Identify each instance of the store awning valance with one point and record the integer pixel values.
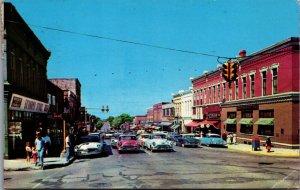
(265, 121)
(165, 123)
(246, 121)
(208, 122)
(175, 126)
(230, 121)
(193, 124)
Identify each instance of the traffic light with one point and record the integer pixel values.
(226, 71)
(233, 71)
(229, 71)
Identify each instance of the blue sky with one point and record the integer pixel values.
(131, 78)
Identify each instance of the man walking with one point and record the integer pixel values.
(68, 146)
(40, 147)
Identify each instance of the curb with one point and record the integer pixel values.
(46, 166)
(261, 152)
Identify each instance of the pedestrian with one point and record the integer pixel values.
(68, 146)
(268, 144)
(28, 152)
(40, 147)
(228, 138)
(47, 140)
(34, 155)
(234, 139)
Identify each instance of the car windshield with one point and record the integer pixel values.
(128, 138)
(214, 136)
(90, 138)
(188, 136)
(159, 136)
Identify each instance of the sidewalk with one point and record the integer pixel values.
(21, 165)
(281, 152)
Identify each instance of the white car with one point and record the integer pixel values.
(90, 145)
(158, 141)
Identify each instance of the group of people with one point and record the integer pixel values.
(39, 150)
(230, 138)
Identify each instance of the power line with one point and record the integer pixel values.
(119, 40)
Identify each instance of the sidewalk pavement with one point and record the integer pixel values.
(21, 164)
(281, 152)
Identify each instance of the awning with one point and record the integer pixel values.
(246, 121)
(265, 121)
(193, 124)
(175, 126)
(230, 121)
(207, 123)
(165, 123)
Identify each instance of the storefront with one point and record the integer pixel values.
(26, 116)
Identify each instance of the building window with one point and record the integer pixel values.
(214, 94)
(252, 86)
(204, 99)
(13, 66)
(247, 128)
(274, 80)
(266, 113)
(266, 129)
(208, 94)
(53, 100)
(49, 99)
(237, 89)
(264, 82)
(219, 93)
(244, 87)
(224, 91)
(230, 94)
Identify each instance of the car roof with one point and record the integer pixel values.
(127, 135)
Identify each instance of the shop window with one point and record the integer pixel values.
(282, 131)
(267, 130)
(231, 128)
(247, 129)
(247, 114)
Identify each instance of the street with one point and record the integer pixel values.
(203, 167)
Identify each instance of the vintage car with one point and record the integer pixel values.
(89, 145)
(187, 140)
(212, 139)
(141, 139)
(172, 136)
(158, 141)
(127, 143)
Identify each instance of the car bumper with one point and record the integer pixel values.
(87, 153)
(162, 147)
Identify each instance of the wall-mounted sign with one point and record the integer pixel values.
(22, 103)
(214, 115)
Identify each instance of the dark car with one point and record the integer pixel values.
(187, 140)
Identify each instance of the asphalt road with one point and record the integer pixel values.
(198, 168)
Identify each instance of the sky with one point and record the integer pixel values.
(124, 51)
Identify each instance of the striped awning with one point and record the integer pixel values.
(193, 124)
(246, 121)
(175, 126)
(230, 121)
(265, 121)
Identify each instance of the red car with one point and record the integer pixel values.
(128, 143)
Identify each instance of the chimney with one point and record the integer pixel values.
(242, 53)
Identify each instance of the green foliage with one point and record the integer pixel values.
(115, 121)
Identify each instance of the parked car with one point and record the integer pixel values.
(89, 145)
(212, 139)
(172, 136)
(109, 134)
(158, 141)
(187, 140)
(127, 143)
(142, 138)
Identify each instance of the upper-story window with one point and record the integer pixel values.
(214, 94)
(219, 93)
(244, 87)
(208, 94)
(264, 81)
(49, 98)
(224, 90)
(230, 94)
(204, 99)
(252, 82)
(274, 80)
(237, 89)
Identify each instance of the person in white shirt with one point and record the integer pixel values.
(68, 146)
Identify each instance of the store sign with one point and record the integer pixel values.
(214, 115)
(22, 103)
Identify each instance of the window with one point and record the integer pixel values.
(224, 91)
(49, 99)
(53, 100)
(237, 89)
(214, 94)
(251, 86)
(230, 94)
(208, 94)
(247, 114)
(274, 80)
(266, 113)
(219, 95)
(13, 66)
(204, 101)
(231, 115)
(244, 87)
(264, 82)
(265, 130)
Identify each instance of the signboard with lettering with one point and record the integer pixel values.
(214, 115)
(22, 103)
